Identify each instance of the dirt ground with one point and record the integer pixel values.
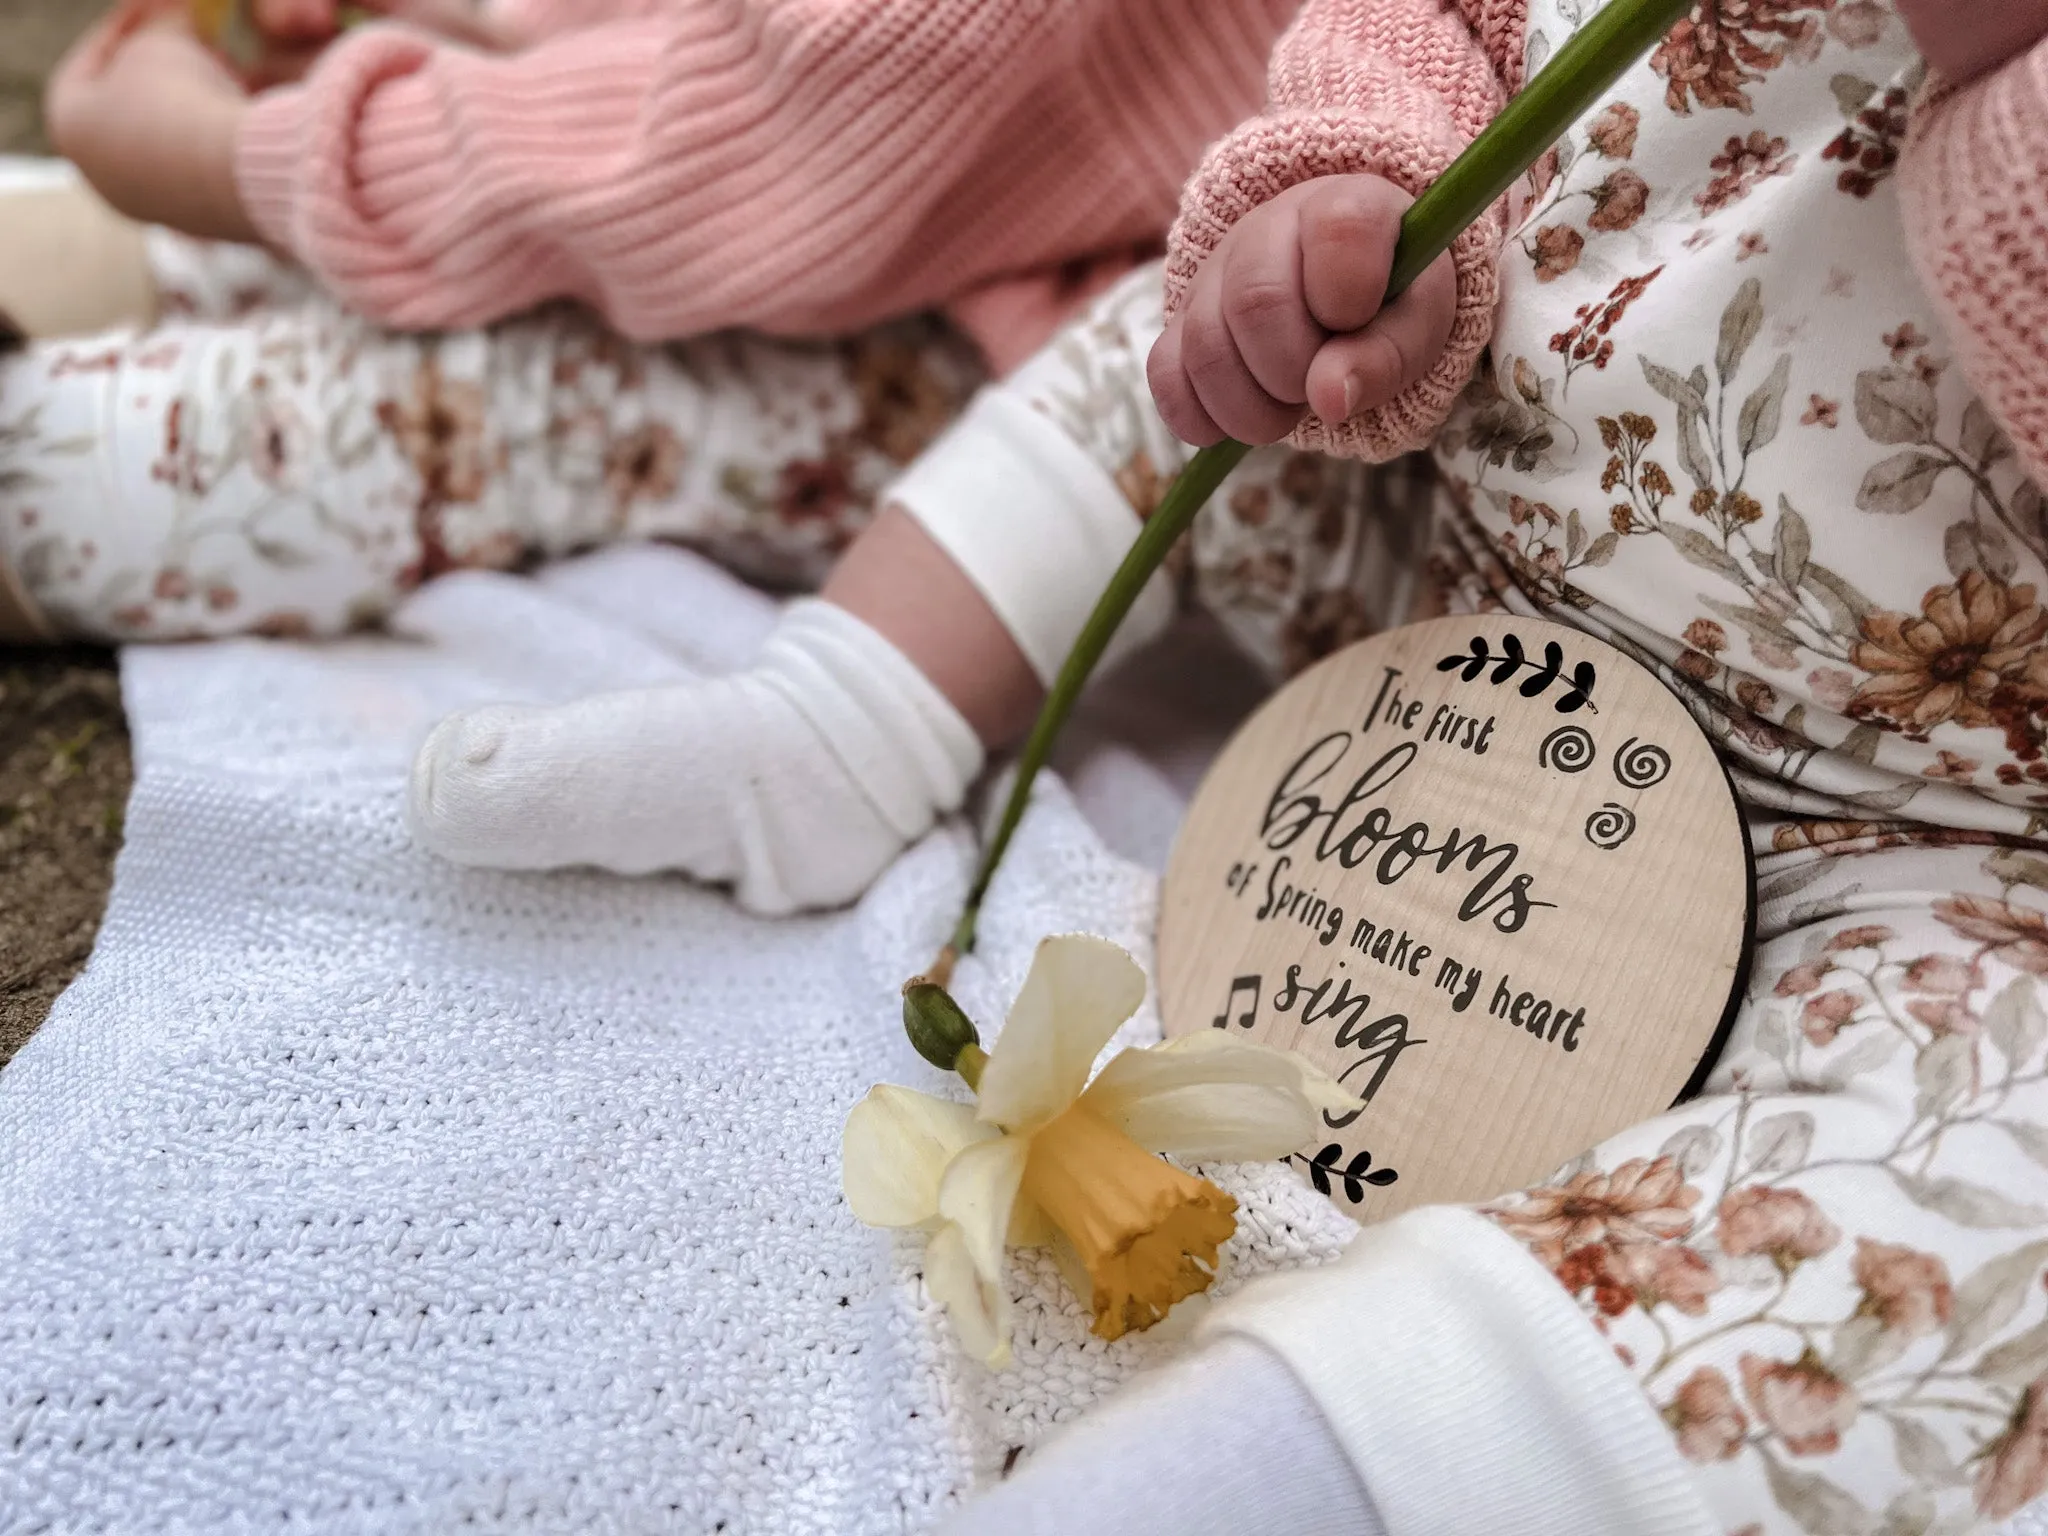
(64, 766)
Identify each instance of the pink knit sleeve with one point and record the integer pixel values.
(786, 165)
(1973, 184)
(528, 21)
(1392, 88)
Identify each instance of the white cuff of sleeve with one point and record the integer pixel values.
(1224, 1442)
(1468, 1389)
(1036, 525)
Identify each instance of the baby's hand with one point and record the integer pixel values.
(1286, 313)
(149, 115)
(1966, 38)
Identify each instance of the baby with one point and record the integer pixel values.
(1761, 403)
(1747, 382)
(275, 463)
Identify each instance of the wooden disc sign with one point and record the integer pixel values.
(1489, 874)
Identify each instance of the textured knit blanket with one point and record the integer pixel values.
(349, 1191)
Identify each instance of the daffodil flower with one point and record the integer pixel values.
(1047, 1157)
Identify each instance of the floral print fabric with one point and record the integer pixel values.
(1719, 427)
(262, 461)
(1828, 1272)
(1719, 421)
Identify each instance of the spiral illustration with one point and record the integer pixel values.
(1638, 765)
(1610, 826)
(1568, 749)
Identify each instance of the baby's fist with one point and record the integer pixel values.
(1286, 313)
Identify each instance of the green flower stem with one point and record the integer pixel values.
(971, 1060)
(1562, 92)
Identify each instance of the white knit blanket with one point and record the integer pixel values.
(348, 1191)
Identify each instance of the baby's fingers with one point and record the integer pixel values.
(1367, 369)
(1174, 394)
(1211, 356)
(1349, 226)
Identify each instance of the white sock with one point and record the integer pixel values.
(796, 781)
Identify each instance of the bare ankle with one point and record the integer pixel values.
(898, 581)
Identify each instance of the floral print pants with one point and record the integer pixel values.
(261, 461)
(1827, 1271)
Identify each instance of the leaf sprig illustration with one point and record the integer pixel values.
(1513, 658)
(1354, 1176)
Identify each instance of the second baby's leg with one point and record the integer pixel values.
(294, 470)
(869, 713)
(254, 466)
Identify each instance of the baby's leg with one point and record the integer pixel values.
(868, 715)
(297, 471)
(867, 718)
(796, 780)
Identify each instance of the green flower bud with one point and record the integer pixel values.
(935, 1024)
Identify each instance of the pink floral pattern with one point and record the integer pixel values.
(1853, 1304)
(1719, 427)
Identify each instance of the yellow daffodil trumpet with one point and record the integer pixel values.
(1047, 1158)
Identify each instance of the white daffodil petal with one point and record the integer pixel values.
(1079, 991)
(977, 1194)
(1219, 1122)
(1208, 1096)
(980, 1309)
(895, 1149)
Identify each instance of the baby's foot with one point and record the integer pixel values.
(796, 781)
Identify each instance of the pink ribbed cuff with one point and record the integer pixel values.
(265, 152)
(1973, 182)
(1263, 159)
(279, 149)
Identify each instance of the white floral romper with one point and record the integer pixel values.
(1718, 426)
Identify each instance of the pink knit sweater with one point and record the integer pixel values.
(1398, 87)
(793, 166)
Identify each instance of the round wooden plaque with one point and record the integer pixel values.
(1489, 874)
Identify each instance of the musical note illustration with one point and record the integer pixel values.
(1245, 1020)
